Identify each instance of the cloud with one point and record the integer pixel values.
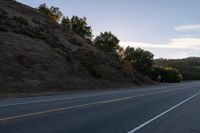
(185, 43)
(180, 47)
(178, 43)
(188, 27)
(174, 48)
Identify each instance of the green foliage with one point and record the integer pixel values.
(107, 42)
(189, 67)
(141, 59)
(53, 12)
(120, 53)
(44, 9)
(78, 25)
(166, 74)
(66, 21)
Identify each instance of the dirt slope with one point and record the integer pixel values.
(37, 54)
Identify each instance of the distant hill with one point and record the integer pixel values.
(189, 67)
(37, 54)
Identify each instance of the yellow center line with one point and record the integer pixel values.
(82, 105)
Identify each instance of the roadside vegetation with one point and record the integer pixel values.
(132, 59)
(78, 25)
(166, 74)
(188, 67)
(53, 12)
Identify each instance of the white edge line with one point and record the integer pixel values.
(161, 114)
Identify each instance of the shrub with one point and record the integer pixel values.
(166, 74)
(53, 12)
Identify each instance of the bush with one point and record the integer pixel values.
(53, 12)
(166, 74)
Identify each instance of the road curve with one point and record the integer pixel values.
(164, 108)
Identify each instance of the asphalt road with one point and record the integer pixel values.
(164, 108)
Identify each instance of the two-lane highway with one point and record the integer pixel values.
(164, 108)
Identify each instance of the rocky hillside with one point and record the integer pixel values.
(37, 54)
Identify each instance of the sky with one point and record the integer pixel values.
(167, 28)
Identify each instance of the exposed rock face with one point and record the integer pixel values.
(37, 54)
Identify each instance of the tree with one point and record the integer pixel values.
(142, 60)
(78, 25)
(107, 42)
(120, 53)
(66, 22)
(53, 12)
